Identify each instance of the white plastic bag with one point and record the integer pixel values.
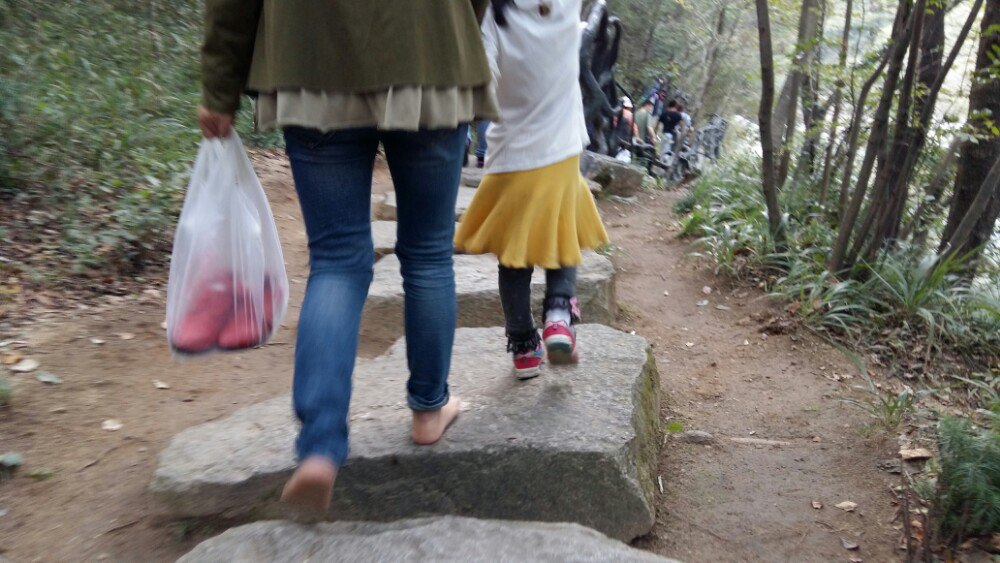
(228, 289)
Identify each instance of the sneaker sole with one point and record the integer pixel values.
(561, 353)
(527, 373)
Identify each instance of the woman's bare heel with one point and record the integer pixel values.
(309, 491)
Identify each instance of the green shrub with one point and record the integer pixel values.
(98, 102)
(906, 305)
(967, 501)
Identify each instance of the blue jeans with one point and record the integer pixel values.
(333, 177)
(481, 127)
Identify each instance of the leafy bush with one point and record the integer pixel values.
(97, 102)
(967, 500)
(907, 305)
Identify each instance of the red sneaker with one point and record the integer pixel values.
(560, 343)
(528, 357)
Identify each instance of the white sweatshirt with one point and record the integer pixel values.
(535, 62)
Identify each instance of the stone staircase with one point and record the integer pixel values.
(524, 468)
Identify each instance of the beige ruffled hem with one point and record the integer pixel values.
(404, 108)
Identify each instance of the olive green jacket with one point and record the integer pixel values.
(339, 46)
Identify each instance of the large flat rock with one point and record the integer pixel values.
(387, 210)
(479, 297)
(615, 177)
(578, 444)
(425, 539)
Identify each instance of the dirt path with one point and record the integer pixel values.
(781, 436)
(722, 502)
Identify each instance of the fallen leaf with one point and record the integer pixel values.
(111, 425)
(847, 506)
(161, 385)
(96, 341)
(25, 366)
(915, 454)
(48, 377)
(848, 544)
(817, 504)
(706, 290)
(11, 359)
(41, 474)
(126, 336)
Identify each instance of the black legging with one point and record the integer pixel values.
(515, 294)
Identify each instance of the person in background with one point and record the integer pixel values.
(644, 123)
(624, 125)
(337, 100)
(533, 208)
(669, 120)
(481, 126)
(686, 127)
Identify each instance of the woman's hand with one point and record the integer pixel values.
(214, 124)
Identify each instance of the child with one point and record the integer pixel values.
(533, 208)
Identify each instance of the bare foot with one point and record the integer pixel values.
(429, 426)
(311, 487)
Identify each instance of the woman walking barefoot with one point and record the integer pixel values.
(533, 208)
(341, 77)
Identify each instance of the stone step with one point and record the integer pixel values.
(471, 176)
(577, 444)
(425, 539)
(386, 211)
(384, 238)
(478, 297)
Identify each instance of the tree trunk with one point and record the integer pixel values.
(787, 110)
(977, 155)
(888, 195)
(713, 61)
(764, 117)
(879, 130)
(911, 138)
(931, 52)
(978, 208)
(931, 204)
(838, 95)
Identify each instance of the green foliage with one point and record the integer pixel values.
(888, 410)
(97, 103)
(967, 499)
(905, 306)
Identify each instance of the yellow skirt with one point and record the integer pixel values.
(541, 217)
